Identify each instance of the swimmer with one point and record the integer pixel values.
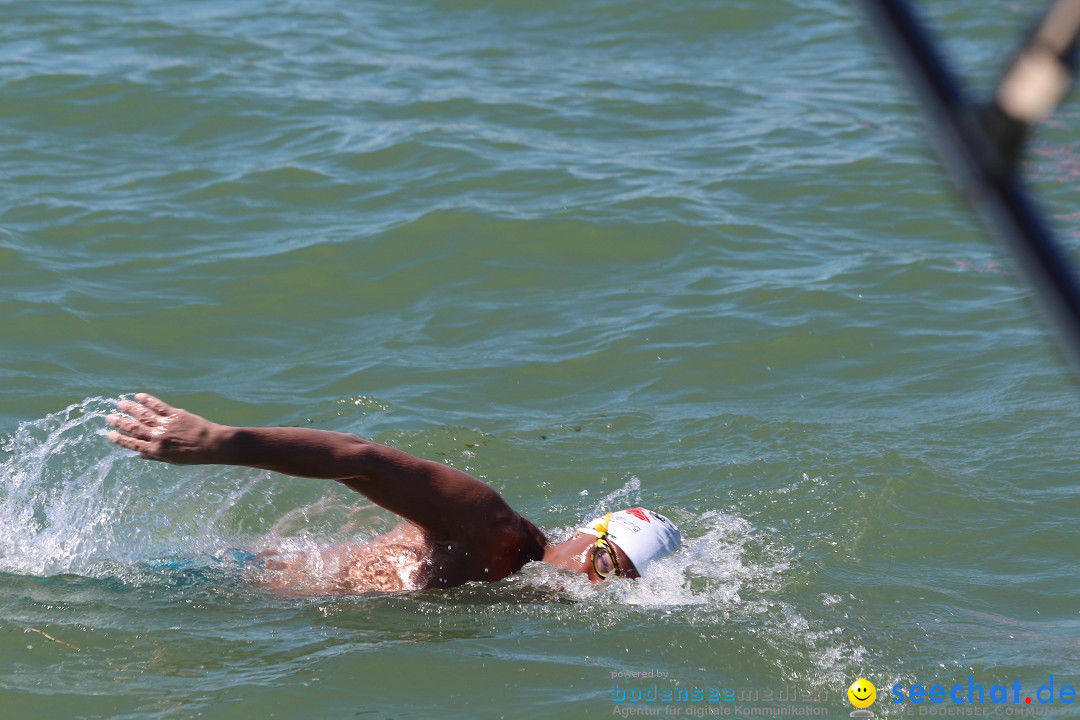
(458, 529)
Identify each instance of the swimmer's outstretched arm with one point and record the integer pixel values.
(447, 503)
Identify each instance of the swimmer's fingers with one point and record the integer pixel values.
(142, 426)
(137, 411)
(160, 407)
(128, 442)
(135, 428)
(147, 408)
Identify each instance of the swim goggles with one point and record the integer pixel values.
(604, 560)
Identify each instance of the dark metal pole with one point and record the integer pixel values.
(980, 144)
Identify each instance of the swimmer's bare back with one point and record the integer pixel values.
(401, 560)
(459, 528)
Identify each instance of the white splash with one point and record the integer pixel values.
(72, 502)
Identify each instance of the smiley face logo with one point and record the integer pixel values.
(862, 693)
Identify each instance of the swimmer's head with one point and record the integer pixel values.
(619, 544)
(641, 536)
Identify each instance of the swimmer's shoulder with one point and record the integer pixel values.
(513, 544)
(498, 549)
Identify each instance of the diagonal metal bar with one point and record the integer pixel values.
(979, 144)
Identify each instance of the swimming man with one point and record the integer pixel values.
(458, 528)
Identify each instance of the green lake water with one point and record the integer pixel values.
(690, 255)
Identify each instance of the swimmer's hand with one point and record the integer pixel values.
(158, 431)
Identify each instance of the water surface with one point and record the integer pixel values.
(689, 255)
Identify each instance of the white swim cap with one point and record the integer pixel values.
(641, 534)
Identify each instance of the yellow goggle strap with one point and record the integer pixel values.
(602, 542)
